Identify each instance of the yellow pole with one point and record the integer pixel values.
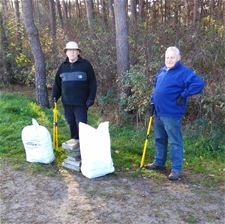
(55, 127)
(146, 142)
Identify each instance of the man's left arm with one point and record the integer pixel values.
(92, 87)
(193, 84)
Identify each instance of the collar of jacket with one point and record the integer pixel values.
(67, 60)
(177, 65)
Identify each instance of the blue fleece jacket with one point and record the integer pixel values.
(172, 83)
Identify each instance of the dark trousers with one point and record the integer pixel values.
(74, 115)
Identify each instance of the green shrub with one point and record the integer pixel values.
(136, 101)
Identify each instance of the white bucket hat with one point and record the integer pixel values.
(71, 45)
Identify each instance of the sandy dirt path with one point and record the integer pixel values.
(70, 198)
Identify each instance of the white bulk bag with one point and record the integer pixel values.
(37, 143)
(95, 149)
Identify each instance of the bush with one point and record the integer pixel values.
(136, 100)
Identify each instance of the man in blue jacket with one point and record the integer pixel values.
(75, 83)
(173, 85)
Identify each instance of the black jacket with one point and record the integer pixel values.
(75, 83)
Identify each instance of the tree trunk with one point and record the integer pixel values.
(97, 6)
(186, 14)
(195, 13)
(176, 15)
(121, 37)
(77, 9)
(37, 13)
(5, 65)
(141, 9)
(111, 12)
(162, 10)
(18, 33)
(52, 22)
(210, 12)
(121, 50)
(223, 10)
(133, 31)
(167, 11)
(104, 12)
(65, 10)
(133, 5)
(52, 19)
(90, 14)
(70, 9)
(40, 76)
(5, 7)
(59, 12)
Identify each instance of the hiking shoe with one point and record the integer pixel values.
(153, 166)
(174, 176)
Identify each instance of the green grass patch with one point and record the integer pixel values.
(127, 146)
(203, 161)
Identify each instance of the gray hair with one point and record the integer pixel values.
(174, 49)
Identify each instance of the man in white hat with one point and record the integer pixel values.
(75, 83)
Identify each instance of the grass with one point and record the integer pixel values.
(16, 113)
(126, 141)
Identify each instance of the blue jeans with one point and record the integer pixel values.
(168, 129)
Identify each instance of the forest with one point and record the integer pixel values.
(125, 41)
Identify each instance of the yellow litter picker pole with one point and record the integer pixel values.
(55, 127)
(152, 109)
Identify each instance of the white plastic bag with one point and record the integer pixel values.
(95, 149)
(37, 143)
